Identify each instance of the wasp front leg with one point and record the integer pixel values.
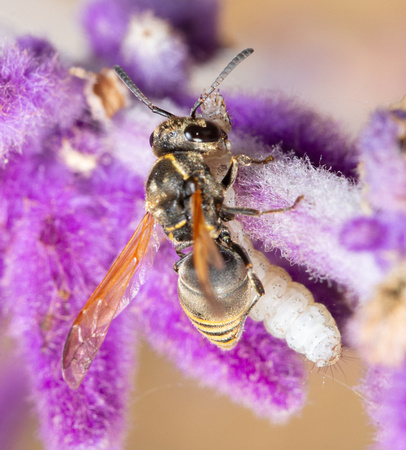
(240, 160)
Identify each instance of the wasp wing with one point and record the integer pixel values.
(111, 296)
(205, 251)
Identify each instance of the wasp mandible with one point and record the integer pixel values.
(216, 278)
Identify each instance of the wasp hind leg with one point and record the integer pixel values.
(179, 251)
(242, 253)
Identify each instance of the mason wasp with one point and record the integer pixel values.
(216, 279)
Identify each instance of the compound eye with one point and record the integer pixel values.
(151, 139)
(209, 133)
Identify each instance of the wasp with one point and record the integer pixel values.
(216, 279)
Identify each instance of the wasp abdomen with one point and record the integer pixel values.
(231, 285)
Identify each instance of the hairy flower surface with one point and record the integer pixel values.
(385, 391)
(378, 231)
(53, 262)
(36, 93)
(72, 193)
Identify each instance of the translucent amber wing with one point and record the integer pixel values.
(205, 251)
(118, 288)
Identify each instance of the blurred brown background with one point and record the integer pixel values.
(343, 57)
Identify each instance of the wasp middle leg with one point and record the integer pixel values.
(229, 212)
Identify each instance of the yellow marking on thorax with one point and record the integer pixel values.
(177, 226)
(176, 164)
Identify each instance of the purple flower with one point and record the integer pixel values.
(385, 391)
(166, 35)
(378, 232)
(49, 273)
(64, 223)
(36, 93)
(197, 21)
(107, 23)
(74, 194)
(295, 127)
(13, 403)
(151, 40)
(384, 165)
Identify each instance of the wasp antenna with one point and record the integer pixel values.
(229, 67)
(122, 74)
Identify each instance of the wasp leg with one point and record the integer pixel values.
(225, 240)
(255, 281)
(180, 247)
(229, 212)
(179, 251)
(245, 160)
(242, 160)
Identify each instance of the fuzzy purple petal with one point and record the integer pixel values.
(383, 162)
(260, 373)
(14, 410)
(381, 234)
(363, 234)
(386, 404)
(106, 24)
(309, 235)
(152, 42)
(275, 119)
(197, 21)
(377, 328)
(54, 262)
(35, 92)
(381, 231)
(141, 42)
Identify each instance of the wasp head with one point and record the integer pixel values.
(188, 134)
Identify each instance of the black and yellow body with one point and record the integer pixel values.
(217, 286)
(216, 299)
(232, 286)
(170, 185)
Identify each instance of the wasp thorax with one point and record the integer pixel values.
(187, 134)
